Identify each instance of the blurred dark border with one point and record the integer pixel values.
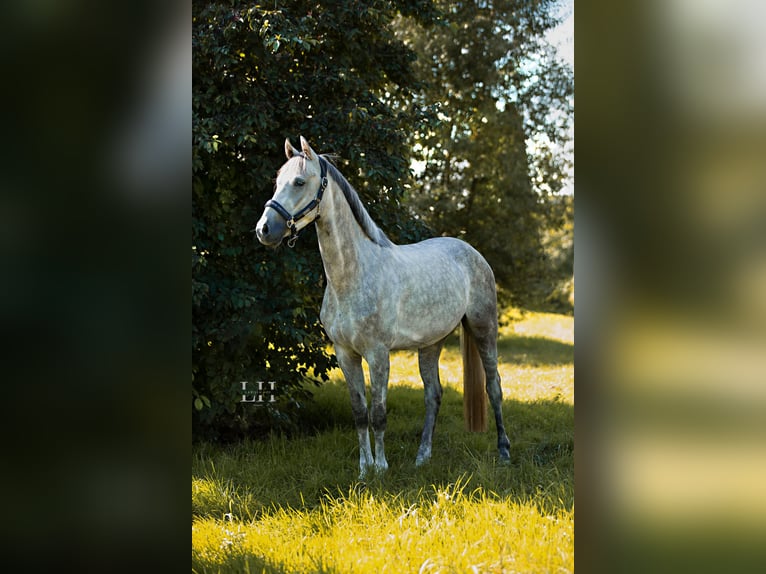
(94, 310)
(670, 264)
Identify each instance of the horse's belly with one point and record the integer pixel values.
(422, 331)
(429, 311)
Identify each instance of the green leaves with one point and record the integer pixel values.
(201, 402)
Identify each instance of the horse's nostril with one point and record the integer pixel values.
(265, 229)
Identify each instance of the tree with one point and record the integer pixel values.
(263, 73)
(489, 166)
(558, 241)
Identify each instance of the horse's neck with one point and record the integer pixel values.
(345, 248)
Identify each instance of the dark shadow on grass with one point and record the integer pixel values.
(534, 351)
(539, 431)
(239, 561)
(523, 350)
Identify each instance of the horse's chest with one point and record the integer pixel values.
(351, 321)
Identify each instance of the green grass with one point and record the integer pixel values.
(296, 505)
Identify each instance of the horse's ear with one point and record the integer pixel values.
(307, 151)
(290, 151)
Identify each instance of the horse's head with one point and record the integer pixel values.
(301, 181)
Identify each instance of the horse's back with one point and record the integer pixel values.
(450, 254)
(462, 259)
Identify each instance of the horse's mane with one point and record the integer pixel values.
(363, 218)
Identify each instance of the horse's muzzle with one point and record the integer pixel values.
(269, 231)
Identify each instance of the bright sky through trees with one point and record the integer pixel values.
(562, 38)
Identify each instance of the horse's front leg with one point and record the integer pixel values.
(351, 364)
(378, 362)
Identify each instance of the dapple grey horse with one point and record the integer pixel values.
(382, 297)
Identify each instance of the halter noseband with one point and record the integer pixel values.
(292, 221)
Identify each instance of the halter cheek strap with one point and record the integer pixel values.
(298, 221)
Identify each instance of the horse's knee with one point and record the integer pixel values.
(359, 409)
(378, 417)
(361, 419)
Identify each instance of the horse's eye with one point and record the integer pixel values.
(299, 183)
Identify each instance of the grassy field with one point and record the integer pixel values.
(296, 505)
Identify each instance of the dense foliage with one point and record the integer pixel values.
(263, 73)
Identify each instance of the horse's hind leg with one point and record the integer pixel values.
(495, 393)
(428, 362)
(485, 335)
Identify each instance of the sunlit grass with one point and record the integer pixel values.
(295, 505)
(448, 529)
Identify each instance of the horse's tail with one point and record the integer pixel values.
(474, 381)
